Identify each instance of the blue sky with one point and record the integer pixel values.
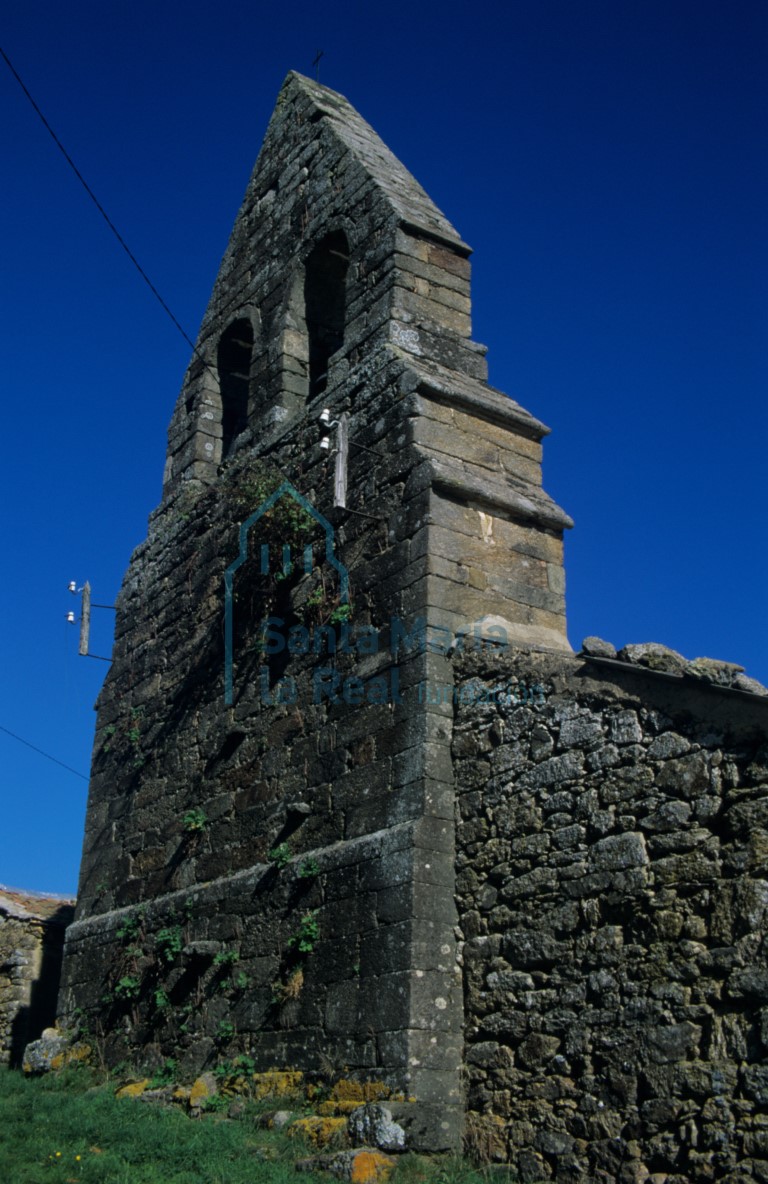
(606, 160)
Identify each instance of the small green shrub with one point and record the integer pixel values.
(169, 943)
(131, 927)
(166, 1075)
(309, 869)
(194, 821)
(226, 958)
(306, 935)
(241, 1066)
(128, 987)
(280, 855)
(225, 1031)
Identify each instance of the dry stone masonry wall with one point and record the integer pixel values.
(31, 944)
(612, 879)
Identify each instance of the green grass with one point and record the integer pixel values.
(126, 1141)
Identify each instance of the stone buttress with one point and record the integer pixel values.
(271, 871)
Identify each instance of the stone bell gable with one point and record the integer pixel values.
(268, 863)
(355, 807)
(344, 284)
(336, 252)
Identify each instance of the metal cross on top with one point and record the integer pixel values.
(316, 63)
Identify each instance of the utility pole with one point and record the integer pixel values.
(85, 619)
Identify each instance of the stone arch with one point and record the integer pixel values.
(325, 305)
(314, 320)
(234, 357)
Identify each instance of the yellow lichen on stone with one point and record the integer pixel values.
(277, 1083)
(181, 1093)
(484, 1137)
(134, 1089)
(347, 1091)
(201, 1090)
(236, 1084)
(359, 1091)
(329, 1108)
(370, 1167)
(319, 1131)
(78, 1054)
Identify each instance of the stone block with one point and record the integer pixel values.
(372, 1125)
(618, 852)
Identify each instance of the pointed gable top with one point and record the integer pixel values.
(414, 206)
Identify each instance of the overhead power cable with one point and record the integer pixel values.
(47, 755)
(198, 354)
(101, 209)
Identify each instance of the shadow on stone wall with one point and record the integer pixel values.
(40, 1013)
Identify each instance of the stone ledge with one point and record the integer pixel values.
(533, 506)
(351, 849)
(420, 231)
(460, 390)
(668, 676)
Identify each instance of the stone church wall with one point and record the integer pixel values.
(268, 864)
(612, 848)
(31, 945)
(275, 869)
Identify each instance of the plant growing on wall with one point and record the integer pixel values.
(280, 856)
(169, 943)
(225, 1031)
(226, 958)
(305, 937)
(127, 987)
(321, 606)
(130, 929)
(248, 486)
(290, 988)
(162, 1002)
(284, 585)
(195, 821)
(124, 738)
